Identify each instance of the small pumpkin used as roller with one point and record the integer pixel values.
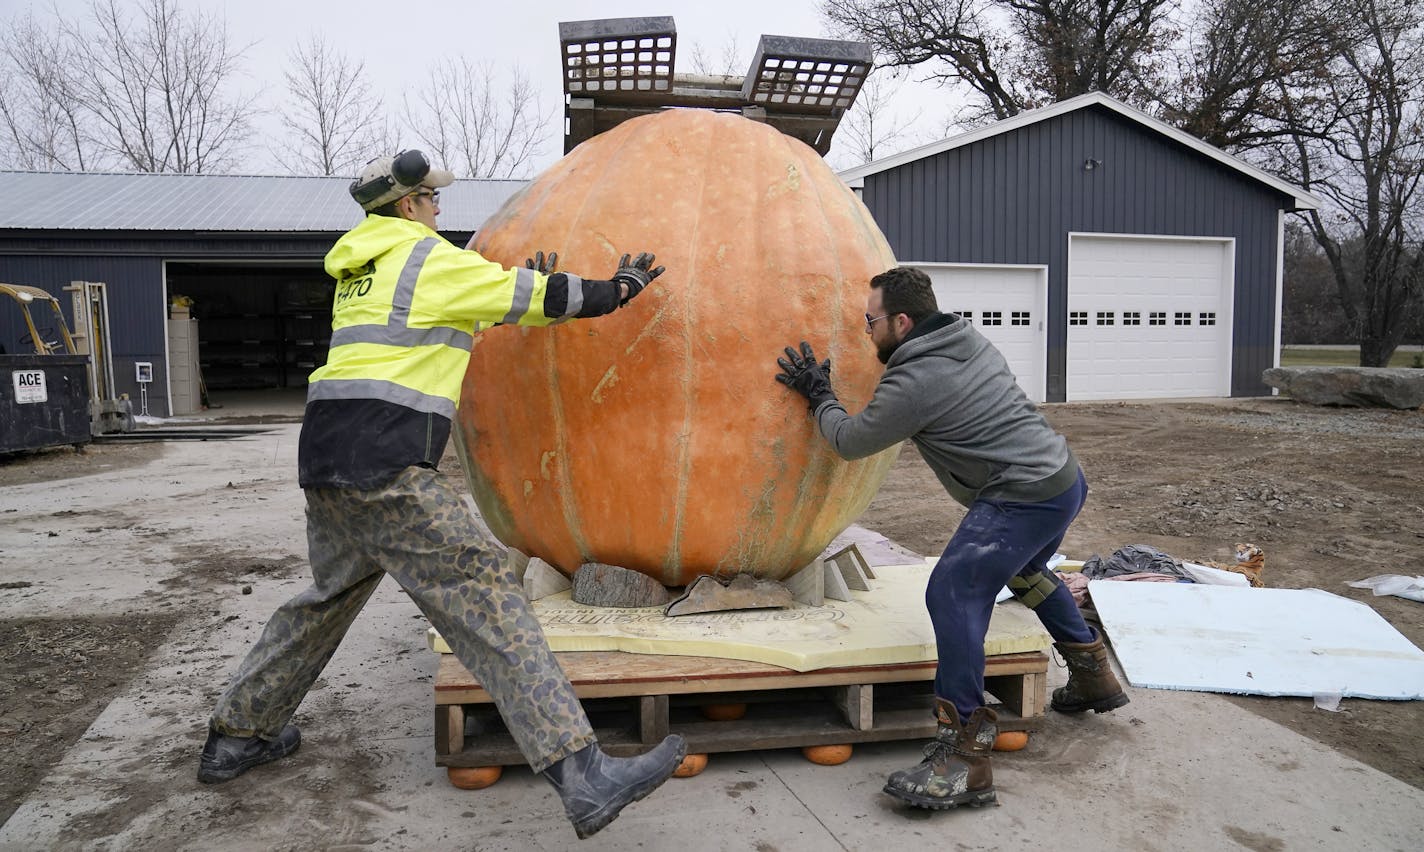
(828, 755)
(1010, 740)
(691, 765)
(473, 777)
(724, 712)
(654, 438)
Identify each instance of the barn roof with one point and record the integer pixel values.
(207, 203)
(1301, 199)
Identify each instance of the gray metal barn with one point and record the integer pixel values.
(246, 250)
(1107, 254)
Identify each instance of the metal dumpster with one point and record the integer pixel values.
(44, 401)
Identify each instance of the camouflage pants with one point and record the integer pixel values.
(418, 530)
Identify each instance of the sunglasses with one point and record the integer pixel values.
(870, 322)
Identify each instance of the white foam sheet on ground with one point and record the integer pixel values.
(1255, 641)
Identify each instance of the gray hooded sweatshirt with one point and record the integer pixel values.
(948, 390)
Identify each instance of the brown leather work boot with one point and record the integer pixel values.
(956, 769)
(1091, 682)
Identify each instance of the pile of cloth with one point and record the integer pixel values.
(1133, 563)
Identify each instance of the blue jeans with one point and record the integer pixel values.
(996, 541)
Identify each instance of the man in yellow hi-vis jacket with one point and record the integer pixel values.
(377, 421)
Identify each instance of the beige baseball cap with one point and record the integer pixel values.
(386, 179)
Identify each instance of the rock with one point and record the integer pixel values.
(1386, 387)
(597, 584)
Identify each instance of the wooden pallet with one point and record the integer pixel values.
(634, 700)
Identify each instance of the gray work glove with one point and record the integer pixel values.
(637, 274)
(539, 263)
(801, 373)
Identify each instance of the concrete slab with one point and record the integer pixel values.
(1170, 771)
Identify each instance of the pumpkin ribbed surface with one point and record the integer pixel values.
(655, 438)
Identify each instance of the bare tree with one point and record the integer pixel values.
(41, 115)
(1310, 302)
(476, 125)
(1369, 167)
(157, 86)
(1017, 54)
(724, 63)
(1242, 60)
(333, 119)
(871, 128)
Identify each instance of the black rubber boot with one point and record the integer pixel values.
(1091, 682)
(595, 787)
(956, 769)
(224, 758)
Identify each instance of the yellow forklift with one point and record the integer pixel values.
(26, 296)
(49, 396)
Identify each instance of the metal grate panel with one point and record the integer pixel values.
(618, 55)
(807, 74)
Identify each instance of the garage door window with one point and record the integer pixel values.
(1132, 318)
(993, 318)
(1184, 318)
(1157, 318)
(1018, 318)
(1206, 318)
(1077, 317)
(1105, 317)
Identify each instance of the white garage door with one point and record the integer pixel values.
(1148, 317)
(1008, 304)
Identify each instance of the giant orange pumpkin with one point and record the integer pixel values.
(655, 438)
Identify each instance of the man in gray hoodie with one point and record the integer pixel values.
(950, 392)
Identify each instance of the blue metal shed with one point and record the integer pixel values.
(1108, 254)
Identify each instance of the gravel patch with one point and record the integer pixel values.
(1299, 419)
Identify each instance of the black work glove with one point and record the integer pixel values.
(801, 373)
(539, 263)
(637, 274)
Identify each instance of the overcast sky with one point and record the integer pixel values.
(399, 41)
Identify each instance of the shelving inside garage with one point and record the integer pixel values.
(258, 326)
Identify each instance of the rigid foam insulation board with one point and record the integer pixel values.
(888, 624)
(1255, 641)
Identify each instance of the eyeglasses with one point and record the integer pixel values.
(433, 196)
(870, 321)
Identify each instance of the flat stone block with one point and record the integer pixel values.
(1380, 387)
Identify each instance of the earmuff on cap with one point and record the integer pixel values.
(385, 179)
(409, 168)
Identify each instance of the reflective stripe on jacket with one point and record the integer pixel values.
(406, 308)
(407, 304)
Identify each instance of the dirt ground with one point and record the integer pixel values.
(1330, 495)
(55, 677)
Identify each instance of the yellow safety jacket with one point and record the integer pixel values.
(406, 307)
